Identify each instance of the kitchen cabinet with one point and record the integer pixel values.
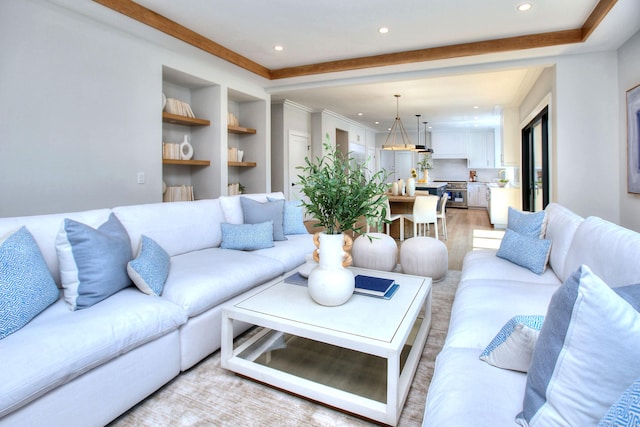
(477, 195)
(449, 144)
(500, 199)
(481, 149)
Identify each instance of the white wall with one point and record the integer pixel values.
(586, 141)
(80, 110)
(629, 77)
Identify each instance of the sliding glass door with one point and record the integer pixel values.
(535, 163)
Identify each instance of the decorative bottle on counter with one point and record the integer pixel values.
(401, 187)
(394, 189)
(411, 187)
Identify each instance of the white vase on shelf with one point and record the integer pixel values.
(401, 187)
(394, 189)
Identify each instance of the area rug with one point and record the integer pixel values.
(207, 395)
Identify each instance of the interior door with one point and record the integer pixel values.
(299, 148)
(535, 163)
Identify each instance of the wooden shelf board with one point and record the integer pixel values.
(183, 120)
(240, 130)
(186, 162)
(243, 164)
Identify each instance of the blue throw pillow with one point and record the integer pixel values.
(255, 212)
(586, 355)
(513, 346)
(150, 268)
(247, 237)
(93, 262)
(532, 224)
(529, 252)
(626, 411)
(293, 217)
(26, 284)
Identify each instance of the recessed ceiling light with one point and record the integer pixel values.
(376, 122)
(383, 30)
(475, 107)
(524, 7)
(278, 48)
(361, 114)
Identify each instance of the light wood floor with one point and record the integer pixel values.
(467, 229)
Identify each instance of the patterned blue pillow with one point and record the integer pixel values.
(247, 237)
(255, 212)
(293, 217)
(93, 262)
(150, 269)
(26, 284)
(529, 252)
(532, 224)
(513, 347)
(626, 411)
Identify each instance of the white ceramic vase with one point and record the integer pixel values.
(401, 187)
(411, 187)
(394, 188)
(330, 283)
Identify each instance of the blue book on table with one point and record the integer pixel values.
(377, 286)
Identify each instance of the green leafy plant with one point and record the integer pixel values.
(338, 192)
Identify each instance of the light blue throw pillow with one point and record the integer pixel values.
(247, 237)
(586, 354)
(532, 224)
(26, 284)
(255, 212)
(626, 411)
(513, 346)
(529, 252)
(293, 217)
(93, 262)
(150, 268)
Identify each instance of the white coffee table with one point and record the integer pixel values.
(359, 357)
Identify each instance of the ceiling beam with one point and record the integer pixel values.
(531, 41)
(146, 16)
(431, 54)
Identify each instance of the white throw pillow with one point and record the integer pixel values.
(512, 348)
(586, 355)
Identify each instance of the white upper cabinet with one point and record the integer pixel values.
(449, 144)
(481, 149)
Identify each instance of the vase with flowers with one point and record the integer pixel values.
(339, 191)
(424, 165)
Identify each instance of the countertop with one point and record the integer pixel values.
(430, 184)
(406, 199)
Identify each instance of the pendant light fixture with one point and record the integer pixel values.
(404, 143)
(427, 149)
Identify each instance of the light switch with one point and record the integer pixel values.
(140, 177)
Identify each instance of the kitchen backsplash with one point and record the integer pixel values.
(457, 170)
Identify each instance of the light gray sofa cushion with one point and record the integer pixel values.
(200, 280)
(178, 227)
(44, 229)
(291, 253)
(561, 227)
(59, 344)
(611, 252)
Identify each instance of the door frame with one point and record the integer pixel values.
(528, 181)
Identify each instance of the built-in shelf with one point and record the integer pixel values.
(240, 130)
(183, 120)
(243, 164)
(186, 162)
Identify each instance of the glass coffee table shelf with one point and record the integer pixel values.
(359, 357)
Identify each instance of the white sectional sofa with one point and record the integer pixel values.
(466, 391)
(88, 366)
